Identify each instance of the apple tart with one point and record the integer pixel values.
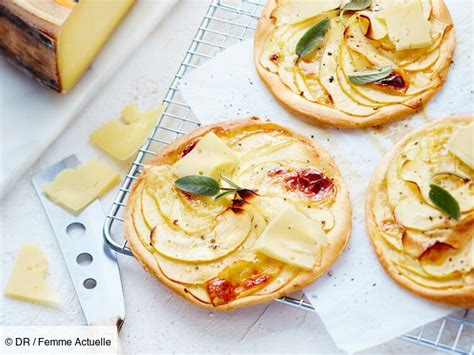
(238, 213)
(354, 63)
(420, 211)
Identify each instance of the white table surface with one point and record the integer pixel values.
(156, 319)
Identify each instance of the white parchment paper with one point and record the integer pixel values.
(358, 303)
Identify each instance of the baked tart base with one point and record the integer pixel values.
(320, 109)
(246, 137)
(423, 249)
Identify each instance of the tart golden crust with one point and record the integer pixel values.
(326, 115)
(338, 236)
(463, 296)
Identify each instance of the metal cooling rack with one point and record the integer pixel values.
(229, 22)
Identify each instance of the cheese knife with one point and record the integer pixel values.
(91, 264)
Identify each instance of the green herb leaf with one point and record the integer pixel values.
(312, 38)
(354, 5)
(445, 201)
(198, 185)
(223, 194)
(230, 182)
(366, 77)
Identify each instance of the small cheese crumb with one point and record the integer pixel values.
(74, 189)
(123, 138)
(27, 278)
(130, 114)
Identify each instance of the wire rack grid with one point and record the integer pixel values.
(229, 22)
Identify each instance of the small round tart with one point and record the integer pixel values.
(355, 69)
(420, 211)
(283, 220)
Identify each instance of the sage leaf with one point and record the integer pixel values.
(445, 201)
(366, 77)
(223, 194)
(198, 185)
(230, 182)
(312, 38)
(354, 5)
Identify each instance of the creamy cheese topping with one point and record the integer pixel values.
(210, 245)
(423, 242)
(404, 35)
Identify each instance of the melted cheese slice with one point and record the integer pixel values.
(292, 238)
(210, 157)
(74, 189)
(407, 26)
(291, 11)
(461, 144)
(123, 138)
(27, 278)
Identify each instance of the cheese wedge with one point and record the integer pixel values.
(123, 138)
(210, 157)
(55, 41)
(74, 189)
(461, 144)
(26, 281)
(407, 25)
(292, 238)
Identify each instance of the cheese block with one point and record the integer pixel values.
(292, 238)
(123, 138)
(210, 157)
(461, 144)
(55, 41)
(407, 26)
(26, 281)
(74, 189)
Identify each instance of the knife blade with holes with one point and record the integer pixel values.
(92, 265)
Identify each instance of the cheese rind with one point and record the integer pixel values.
(26, 281)
(407, 26)
(74, 189)
(210, 157)
(55, 43)
(461, 144)
(292, 238)
(122, 140)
